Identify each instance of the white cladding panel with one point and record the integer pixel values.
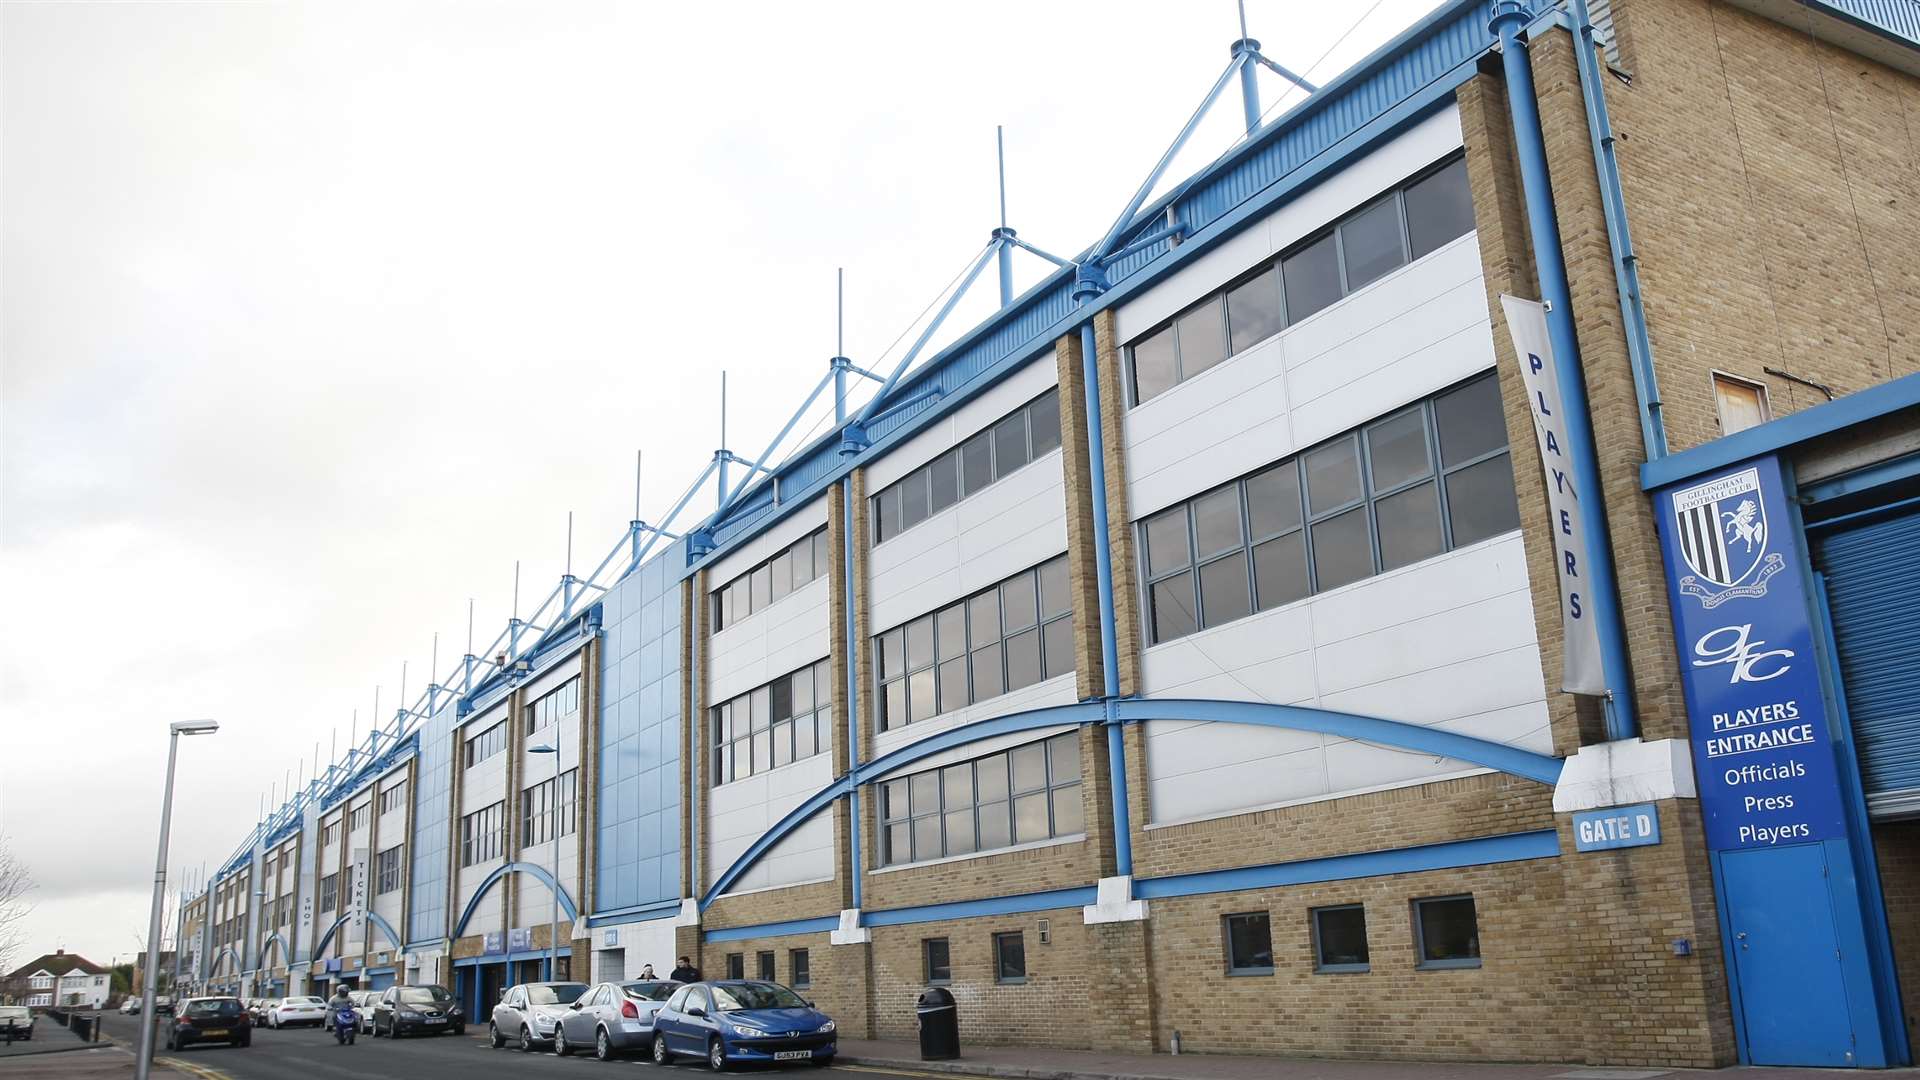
(956, 427)
(1448, 642)
(1059, 690)
(741, 812)
(760, 548)
(772, 642)
(1417, 330)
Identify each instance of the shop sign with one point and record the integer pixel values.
(1761, 746)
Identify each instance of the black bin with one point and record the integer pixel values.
(939, 1025)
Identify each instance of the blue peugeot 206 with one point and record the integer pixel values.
(740, 1021)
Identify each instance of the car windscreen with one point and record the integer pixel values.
(421, 995)
(13, 1010)
(214, 1007)
(729, 997)
(305, 1001)
(649, 991)
(555, 993)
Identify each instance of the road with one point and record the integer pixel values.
(310, 1054)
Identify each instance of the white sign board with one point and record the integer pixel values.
(1580, 670)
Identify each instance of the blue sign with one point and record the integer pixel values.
(519, 939)
(495, 941)
(1761, 748)
(1616, 827)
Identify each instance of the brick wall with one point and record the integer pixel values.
(1049, 1009)
(1896, 844)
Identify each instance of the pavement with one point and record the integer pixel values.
(48, 1038)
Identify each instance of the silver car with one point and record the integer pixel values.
(613, 1017)
(530, 1013)
(363, 1007)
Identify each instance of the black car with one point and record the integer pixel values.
(417, 1010)
(210, 1019)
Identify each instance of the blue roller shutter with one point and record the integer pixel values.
(379, 980)
(1873, 586)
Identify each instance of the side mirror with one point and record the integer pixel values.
(696, 1011)
(575, 1006)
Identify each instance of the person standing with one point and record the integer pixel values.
(646, 972)
(686, 972)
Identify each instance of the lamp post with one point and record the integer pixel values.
(178, 728)
(553, 834)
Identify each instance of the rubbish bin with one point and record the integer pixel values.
(939, 1025)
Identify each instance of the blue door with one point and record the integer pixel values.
(1785, 956)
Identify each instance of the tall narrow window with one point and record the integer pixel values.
(1010, 957)
(938, 963)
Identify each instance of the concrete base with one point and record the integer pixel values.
(850, 931)
(1623, 772)
(1114, 903)
(689, 912)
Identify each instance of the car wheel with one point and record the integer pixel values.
(560, 1047)
(602, 1046)
(661, 1055)
(526, 1039)
(494, 1038)
(716, 1055)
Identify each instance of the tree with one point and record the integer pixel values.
(16, 882)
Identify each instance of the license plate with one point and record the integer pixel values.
(214, 1033)
(792, 1055)
(436, 1020)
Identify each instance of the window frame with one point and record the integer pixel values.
(1054, 789)
(736, 965)
(1320, 964)
(1000, 976)
(1715, 377)
(387, 869)
(537, 810)
(546, 710)
(1237, 970)
(724, 606)
(484, 745)
(926, 961)
(921, 475)
(725, 730)
(799, 969)
(1421, 961)
(1367, 501)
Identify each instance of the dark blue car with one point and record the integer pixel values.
(740, 1021)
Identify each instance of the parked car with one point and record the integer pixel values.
(740, 1021)
(530, 1013)
(162, 1005)
(418, 1009)
(363, 1007)
(296, 1011)
(130, 1007)
(210, 1019)
(16, 1021)
(257, 1009)
(612, 1017)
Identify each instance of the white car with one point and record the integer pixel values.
(288, 1011)
(130, 1007)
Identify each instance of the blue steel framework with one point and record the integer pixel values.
(1376, 98)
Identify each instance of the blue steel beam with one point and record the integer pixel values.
(880, 395)
(1103, 579)
(1121, 223)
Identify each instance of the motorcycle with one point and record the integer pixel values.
(346, 1024)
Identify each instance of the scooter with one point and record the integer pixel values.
(346, 1024)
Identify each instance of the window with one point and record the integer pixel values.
(361, 815)
(42, 982)
(537, 809)
(1018, 796)
(773, 725)
(329, 892)
(764, 962)
(799, 972)
(393, 796)
(937, 961)
(1010, 957)
(486, 744)
(481, 834)
(388, 877)
(772, 581)
(991, 454)
(555, 705)
(1249, 944)
(1446, 932)
(736, 965)
(1429, 478)
(1003, 638)
(1405, 224)
(1339, 938)
(329, 831)
(1742, 404)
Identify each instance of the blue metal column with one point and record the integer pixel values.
(853, 685)
(1509, 17)
(1244, 51)
(1103, 576)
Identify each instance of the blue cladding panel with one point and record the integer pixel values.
(432, 795)
(1898, 18)
(638, 849)
(1451, 37)
(1870, 571)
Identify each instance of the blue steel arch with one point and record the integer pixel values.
(372, 917)
(225, 950)
(286, 953)
(540, 873)
(1497, 756)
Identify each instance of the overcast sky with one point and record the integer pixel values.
(316, 317)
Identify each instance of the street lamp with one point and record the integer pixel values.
(178, 728)
(553, 925)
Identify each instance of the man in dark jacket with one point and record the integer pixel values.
(686, 972)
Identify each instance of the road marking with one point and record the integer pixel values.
(892, 1072)
(200, 1071)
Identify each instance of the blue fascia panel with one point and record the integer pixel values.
(632, 914)
(1780, 435)
(1512, 847)
(1001, 905)
(1398, 84)
(792, 926)
(1897, 21)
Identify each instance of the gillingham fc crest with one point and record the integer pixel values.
(1723, 533)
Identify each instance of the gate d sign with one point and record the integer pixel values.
(1616, 827)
